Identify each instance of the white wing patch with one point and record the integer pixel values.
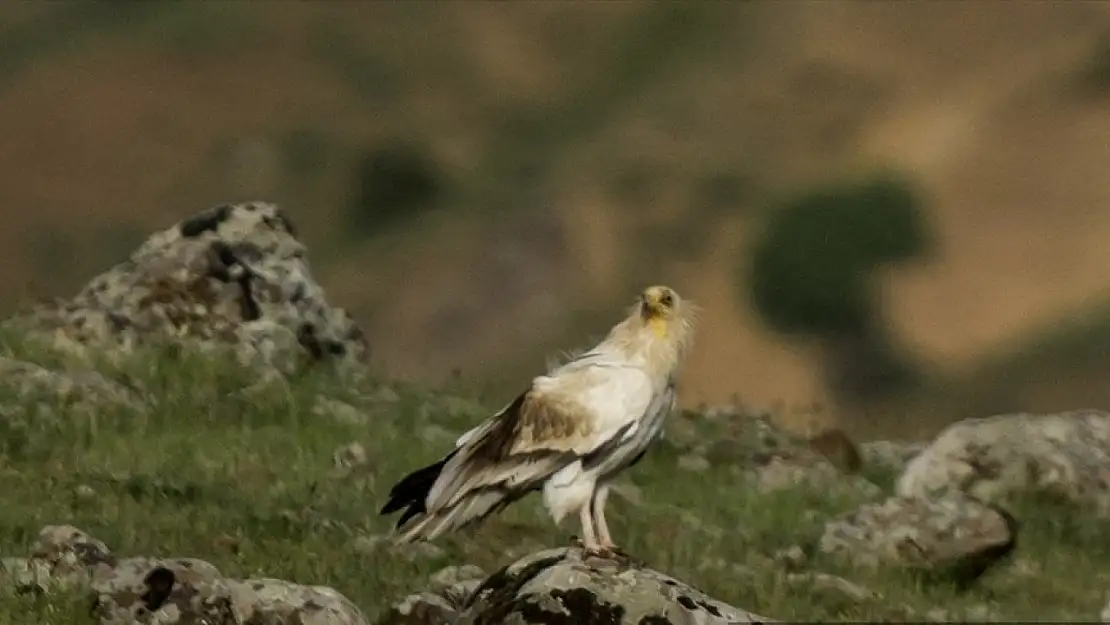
(613, 396)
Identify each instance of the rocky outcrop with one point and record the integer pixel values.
(235, 275)
(562, 586)
(769, 457)
(1064, 455)
(167, 591)
(954, 537)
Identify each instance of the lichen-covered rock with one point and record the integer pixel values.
(955, 536)
(158, 590)
(86, 388)
(180, 591)
(166, 591)
(422, 608)
(559, 586)
(234, 275)
(1066, 455)
(890, 455)
(62, 557)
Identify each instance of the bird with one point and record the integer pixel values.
(568, 434)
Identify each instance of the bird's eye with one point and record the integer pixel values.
(666, 300)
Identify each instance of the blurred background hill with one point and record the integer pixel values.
(894, 215)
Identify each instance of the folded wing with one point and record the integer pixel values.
(579, 411)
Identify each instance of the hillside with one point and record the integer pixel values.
(195, 436)
(579, 152)
(282, 480)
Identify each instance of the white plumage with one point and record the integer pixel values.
(569, 434)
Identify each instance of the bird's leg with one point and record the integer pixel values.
(598, 506)
(589, 537)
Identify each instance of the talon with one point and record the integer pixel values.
(614, 552)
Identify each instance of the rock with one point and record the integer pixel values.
(232, 276)
(791, 558)
(61, 558)
(349, 456)
(384, 395)
(977, 613)
(373, 544)
(166, 591)
(457, 583)
(86, 388)
(559, 586)
(783, 473)
(773, 459)
(192, 591)
(956, 536)
(838, 449)
(693, 462)
(833, 587)
(341, 412)
(27, 575)
(452, 575)
(423, 608)
(1066, 455)
(84, 492)
(1104, 616)
(891, 456)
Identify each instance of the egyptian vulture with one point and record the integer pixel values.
(568, 434)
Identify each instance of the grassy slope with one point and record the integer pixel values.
(248, 483)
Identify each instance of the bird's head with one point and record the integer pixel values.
(659, 329)
(659, 303)
(668, 315)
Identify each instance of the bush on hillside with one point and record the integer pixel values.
(392, 183)
(811, 271)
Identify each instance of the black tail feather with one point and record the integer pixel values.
(411, 492)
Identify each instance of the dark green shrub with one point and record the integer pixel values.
(393, 183)
(811, 271)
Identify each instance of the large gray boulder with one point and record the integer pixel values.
(165, 591)
(563, 586)
(954, 537)
(1064, 455)
(232, 276)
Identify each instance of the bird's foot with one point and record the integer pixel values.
(615, 553)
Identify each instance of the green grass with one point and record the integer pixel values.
(246, 480)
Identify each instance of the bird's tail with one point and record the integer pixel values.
(419, 523)
(469, 509)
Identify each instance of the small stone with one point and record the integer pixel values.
(832, 583)
(385, 395)
(791, 558)
(693, 462)
(452, 575)
(350, 456)
(84, 492)
(937, 615)
(458, 594)
(341, 412)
